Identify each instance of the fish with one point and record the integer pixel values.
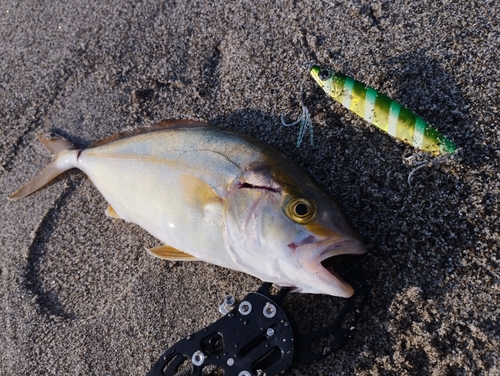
(382, 111)
(212, 194)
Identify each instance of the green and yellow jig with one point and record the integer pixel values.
(382, 111)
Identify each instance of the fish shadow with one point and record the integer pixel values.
(415, 234)
(431, 91)
(47, 301)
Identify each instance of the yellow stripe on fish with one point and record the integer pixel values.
(382, 111)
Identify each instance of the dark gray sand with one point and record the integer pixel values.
(80, 296)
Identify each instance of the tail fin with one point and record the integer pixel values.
(65, 158)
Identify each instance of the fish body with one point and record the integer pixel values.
(215, 195)
(382, 111)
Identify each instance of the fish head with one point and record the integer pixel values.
(326, 79)
(285, 231)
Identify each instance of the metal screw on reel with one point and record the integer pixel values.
(228, 304)
(198, 358)
(245, 308)
(269, 310)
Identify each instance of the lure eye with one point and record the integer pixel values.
(324, 74)
(300, 210)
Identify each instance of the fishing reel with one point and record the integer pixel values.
(258, 337)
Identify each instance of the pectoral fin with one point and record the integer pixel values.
(169, 253)
(110, 212)
(198, 191)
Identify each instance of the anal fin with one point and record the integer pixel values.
(166, 252)
(110, 212)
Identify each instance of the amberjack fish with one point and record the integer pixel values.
(215, 195)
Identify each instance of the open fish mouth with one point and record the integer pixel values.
(339, 265)
(334, 259)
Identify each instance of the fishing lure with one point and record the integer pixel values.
(382, 111)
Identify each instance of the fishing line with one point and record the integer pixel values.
(304, 121)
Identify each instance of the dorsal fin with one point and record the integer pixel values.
(171, 123)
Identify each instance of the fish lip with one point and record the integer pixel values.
(318, 251)
(347, 246)
(329, 265)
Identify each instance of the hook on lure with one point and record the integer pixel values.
(305, 121)
(418, 163)
(305, 125)
(421, 160)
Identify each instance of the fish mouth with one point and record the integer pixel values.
(339, 265)
(330, 260)
(331, 251)
(335, 258)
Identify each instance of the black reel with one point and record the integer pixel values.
(258, 337)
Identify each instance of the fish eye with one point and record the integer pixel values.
(300, 210)
(324, 74)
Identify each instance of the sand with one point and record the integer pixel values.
(79, 295)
